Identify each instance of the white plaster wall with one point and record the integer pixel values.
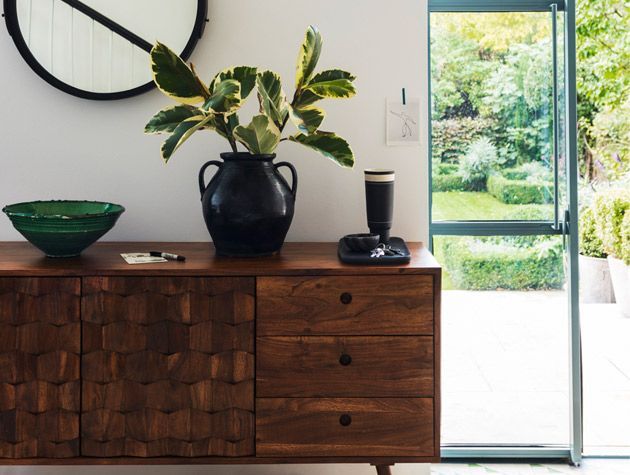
(53, 145)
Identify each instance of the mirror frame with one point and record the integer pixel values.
(13, 26)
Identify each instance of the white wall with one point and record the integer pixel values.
(57, 146)
(53, 145)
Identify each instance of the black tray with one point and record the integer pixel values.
(363, 258)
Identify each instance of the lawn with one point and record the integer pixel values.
(478, 206)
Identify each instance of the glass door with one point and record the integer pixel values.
(503, 193)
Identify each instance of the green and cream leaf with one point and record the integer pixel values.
(261, 136)
(308, 96)
(307, 119)
(328, 144)
(308, 56)
(336, 89)
(169, 118)
(333, 83)
(226, 97)
(183, 132)
(245, 75)
(273, 101)
(332, 74)
(174, 78)
(225, 125)
(305, 98)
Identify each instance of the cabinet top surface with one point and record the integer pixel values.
(22, 259)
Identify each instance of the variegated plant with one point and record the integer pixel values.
(215, 106)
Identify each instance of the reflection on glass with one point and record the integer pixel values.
(492, 116)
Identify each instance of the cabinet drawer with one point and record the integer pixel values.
(344, 427)
(344, 366)
(359, 305)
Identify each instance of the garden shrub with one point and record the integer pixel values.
(448, 183)
(451, 137)
(536, 171)
(519, 191)
(590, 244)
(479, 161)
(625, 239)
(489, 264)
(447, 169)
(609, 147)
(610, 208)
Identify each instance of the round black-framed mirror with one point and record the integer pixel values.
(98, 49)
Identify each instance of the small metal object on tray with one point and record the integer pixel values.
(396, 252)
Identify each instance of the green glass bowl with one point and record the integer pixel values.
(63, 228)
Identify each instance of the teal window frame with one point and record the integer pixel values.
(495, 5)
(569, 227)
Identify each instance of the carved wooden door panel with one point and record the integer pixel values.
(168, 366)
(40, 342)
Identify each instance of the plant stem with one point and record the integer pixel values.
(286, 119)
(233, 144)
(226, 130)
(284, 122)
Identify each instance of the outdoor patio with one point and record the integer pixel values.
(503, 350)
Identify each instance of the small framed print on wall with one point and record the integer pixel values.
(403, 122)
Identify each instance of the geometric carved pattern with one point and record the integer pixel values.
(40, 344)
(168, 366)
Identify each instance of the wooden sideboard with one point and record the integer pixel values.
(295, 358)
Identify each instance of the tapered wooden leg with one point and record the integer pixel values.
(383, 470)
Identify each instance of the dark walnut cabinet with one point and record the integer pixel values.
(295, 358)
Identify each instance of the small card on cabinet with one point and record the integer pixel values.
(141, 258)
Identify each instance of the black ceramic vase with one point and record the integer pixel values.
(248, 205)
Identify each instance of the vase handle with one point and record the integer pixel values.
(294, 181)
(202, 183)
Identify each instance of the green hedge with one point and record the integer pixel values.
(514, 174)
(532, 213)
(487, 264)
(448, 183)
(519, 191)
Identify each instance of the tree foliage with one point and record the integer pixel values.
(603, 81)
(496, 68)
(494, 34)
(493, 69)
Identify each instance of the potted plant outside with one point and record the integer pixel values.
(612, 226)
(248, 206)
(595, 283)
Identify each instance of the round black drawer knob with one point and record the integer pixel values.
(346, 298)
(345, 360)
(345, 420)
